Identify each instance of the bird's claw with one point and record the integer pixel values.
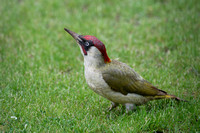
(130, 107)
(113, 105)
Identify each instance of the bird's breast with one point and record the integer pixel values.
(95, 80)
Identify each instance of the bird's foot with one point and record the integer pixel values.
(113, 105)
(130, 107)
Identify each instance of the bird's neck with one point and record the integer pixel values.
(94, 58)
(93, 62)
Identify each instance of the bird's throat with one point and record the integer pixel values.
(93, 61)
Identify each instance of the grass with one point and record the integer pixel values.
(42, 86)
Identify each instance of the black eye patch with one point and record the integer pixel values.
(87, 45)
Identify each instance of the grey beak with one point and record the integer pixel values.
(74, 35)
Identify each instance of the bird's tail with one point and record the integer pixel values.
(168, 96)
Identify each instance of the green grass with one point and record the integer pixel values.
(41, 67)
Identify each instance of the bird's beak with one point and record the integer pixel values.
(78, 39)
(74, 35)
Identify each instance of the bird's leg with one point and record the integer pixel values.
(113, 105)
(130, 107)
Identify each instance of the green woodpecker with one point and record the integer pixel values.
(112, 79)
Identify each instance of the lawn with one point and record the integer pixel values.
(42, 84)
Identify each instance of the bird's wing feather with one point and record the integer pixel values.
(122, 78)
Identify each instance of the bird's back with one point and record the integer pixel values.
(122, 78)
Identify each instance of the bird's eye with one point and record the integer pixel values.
(87, 44)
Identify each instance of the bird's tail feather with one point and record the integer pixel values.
(175, 97)
(167, 96)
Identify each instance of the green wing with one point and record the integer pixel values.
(122, 78)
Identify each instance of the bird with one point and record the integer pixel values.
(114, 80)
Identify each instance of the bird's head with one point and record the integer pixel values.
(91, 47)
